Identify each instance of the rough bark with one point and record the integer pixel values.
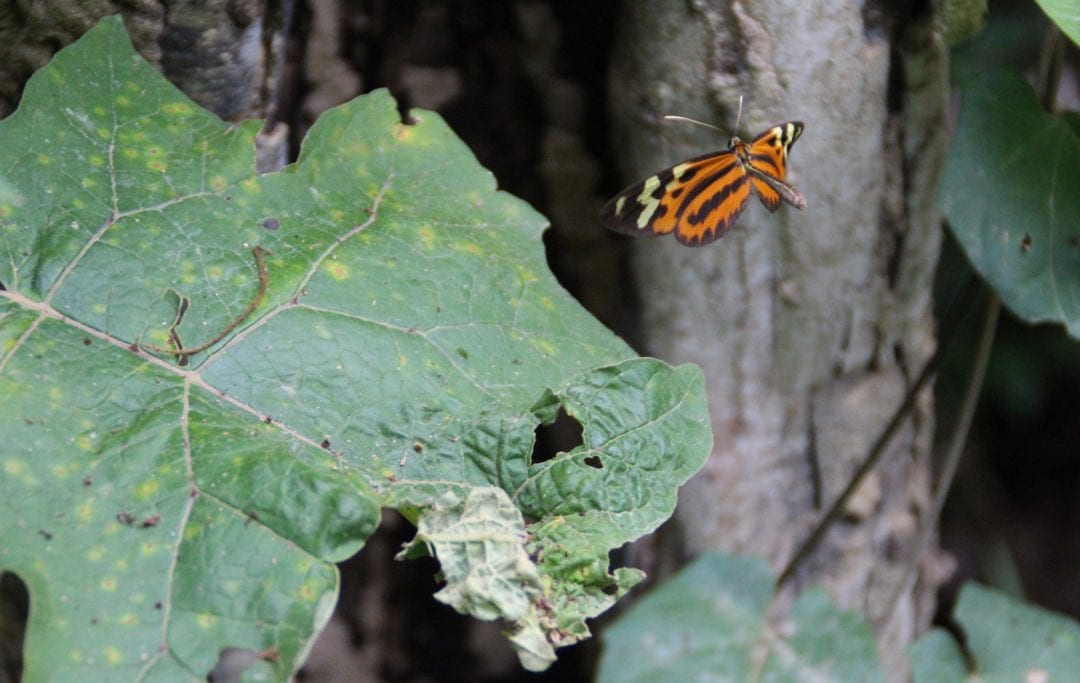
(810, 326)
(224, 54)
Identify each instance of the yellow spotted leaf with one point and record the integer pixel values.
(212, 380)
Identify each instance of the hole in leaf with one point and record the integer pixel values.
(594, 461)
(1025, 243)
(234, 662)
(561, 436)
(14, 610)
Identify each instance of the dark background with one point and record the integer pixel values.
(525, 84)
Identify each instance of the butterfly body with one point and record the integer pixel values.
(700, 199)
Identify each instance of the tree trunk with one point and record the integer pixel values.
(224, 55)
(810, 326)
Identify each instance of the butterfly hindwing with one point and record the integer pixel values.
(766, 193)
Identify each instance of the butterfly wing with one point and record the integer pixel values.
(699, 200)
(766, 193)
(768, 156)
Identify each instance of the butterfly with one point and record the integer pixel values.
(701, 198)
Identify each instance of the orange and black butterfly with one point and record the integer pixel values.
(700, 199)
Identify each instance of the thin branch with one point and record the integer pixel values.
(956, 442)
(958, 310)
(876, 451)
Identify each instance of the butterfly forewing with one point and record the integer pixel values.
(712, 200)
(768, 151)
(679, 199)
(700, 199)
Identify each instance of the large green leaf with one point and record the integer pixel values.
(1011, 192)
(1066, 14)
(1006, 640)
(163, 508)
(709, 623)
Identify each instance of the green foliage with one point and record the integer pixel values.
(1066, 14)
(709, 623)
(162, 508)
(1011, 191)
(1006, 639)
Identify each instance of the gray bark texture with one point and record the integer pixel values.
(224, 54)
(810, 325)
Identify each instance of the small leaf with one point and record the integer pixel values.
(709, 623)
(479, 541)
(1037, 639)
(1011, 192)
(937, 658)
(1008, 640)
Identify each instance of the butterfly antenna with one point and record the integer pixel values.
(672, 117)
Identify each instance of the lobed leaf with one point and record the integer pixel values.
(382, 330)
